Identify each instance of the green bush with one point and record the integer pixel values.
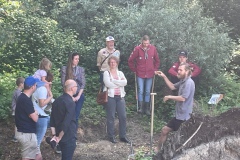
(8, 85)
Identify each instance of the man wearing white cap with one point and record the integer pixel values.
(104, 54)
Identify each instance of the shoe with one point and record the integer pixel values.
(112, 139)
(146, 109)
(58, 149)
(14, 140)
(140, 105)
(52, 143)
(125, 139)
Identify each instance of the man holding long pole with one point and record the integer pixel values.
(143, 61)
(184, 100)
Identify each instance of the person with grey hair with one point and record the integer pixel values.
(184, 100)
(104, 54)
(63, 120)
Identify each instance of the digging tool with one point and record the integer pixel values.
(190, 137)
(131, 156)
(136, 91)
(153, 82)
(152, 117)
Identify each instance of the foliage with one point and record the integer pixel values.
(229, 88)
(8, 84)
(36, 29)
(224, 11)
(234, 66)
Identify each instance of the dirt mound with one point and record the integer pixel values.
(93, 144)
(212, 129)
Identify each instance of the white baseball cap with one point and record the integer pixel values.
(109, 38)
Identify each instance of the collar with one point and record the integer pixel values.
(185, 79)
(141, 46)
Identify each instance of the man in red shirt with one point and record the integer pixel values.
(183, 57)
(143, 61)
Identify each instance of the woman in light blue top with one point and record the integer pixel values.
(40, 100)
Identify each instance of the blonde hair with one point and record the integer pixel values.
(187, 67)
(45, 64)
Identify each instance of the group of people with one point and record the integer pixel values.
(144, 62)
(31, 118)
(29, 105)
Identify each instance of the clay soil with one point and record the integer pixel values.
(93, 145)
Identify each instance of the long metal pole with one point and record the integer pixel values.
(152, 117)
(136, 90)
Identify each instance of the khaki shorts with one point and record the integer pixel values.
(28, 144)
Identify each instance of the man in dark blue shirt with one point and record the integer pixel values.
(63, 120)
(25, 119)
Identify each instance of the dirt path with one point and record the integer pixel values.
(93, 144)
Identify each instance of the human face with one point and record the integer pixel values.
(113, 64)
(182, 59)
(182, 73)
(145, 43)
(74, 88)
(75, 60)
(110, 44)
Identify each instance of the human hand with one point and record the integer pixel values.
(165, 98)
(57, 139)
(75, 99)
(160, 73)
(50, 94)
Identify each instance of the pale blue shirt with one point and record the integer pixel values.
(186, 90)
(40, 93)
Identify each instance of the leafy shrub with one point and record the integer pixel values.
(8, 84)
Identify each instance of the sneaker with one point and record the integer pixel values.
(58, 149)
(14, 140)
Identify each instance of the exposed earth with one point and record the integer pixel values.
(93, 145)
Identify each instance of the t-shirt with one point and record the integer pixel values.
(39, 74)
(186, 90)
(23, 109)
(16, 94)
(40, 93)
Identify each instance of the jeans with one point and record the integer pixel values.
(68, 148)
(116, 104)
(79, 105)
(147, 84)
(41, 128)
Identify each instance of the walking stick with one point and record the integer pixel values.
(153, 82)
(152, 117)
(136, 91)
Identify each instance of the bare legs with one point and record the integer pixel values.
(163, 137)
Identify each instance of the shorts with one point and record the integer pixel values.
(29, 146)
(175, 124)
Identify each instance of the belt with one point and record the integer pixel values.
(40, 116)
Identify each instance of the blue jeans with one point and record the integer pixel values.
(79, 105)
(144, 83)
(68, 148)
(41, 128)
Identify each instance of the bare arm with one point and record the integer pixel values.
(175, 98)
(44, 102)
(34, 116)
(167, 81)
